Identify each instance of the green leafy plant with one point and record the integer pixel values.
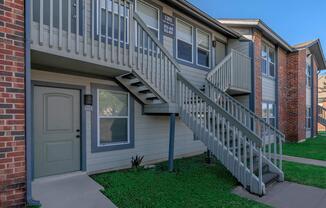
(136, 161)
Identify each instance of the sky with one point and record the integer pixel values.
(295, 21)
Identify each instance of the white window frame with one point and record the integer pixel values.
(268, 62)
(99, 117)
(114, 13)
(158, 19)
(192, 41)
(208, 50)
(268, 117)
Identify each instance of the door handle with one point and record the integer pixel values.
(77, 136)
(77, 130)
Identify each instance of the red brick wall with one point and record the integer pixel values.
(12, 141)
(282, 89)
(296, 96)
(257, 39)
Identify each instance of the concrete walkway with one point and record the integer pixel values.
(288, 195)
(70, 190)
(304, 160)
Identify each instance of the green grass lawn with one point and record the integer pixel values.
(193, 184)
(314, 148)
(305, 174)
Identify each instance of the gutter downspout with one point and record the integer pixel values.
(28, 106)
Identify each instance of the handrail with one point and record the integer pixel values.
(213, 71)
(243, 107)
(271, 137)
(153, 62)
(157, 42)
(251, 135)
(321, 114)
(233, 71)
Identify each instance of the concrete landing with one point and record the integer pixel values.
(69, 190)
(288, 195)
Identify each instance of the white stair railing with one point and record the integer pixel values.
(153, 62)
(233, 71)
(321, 115)
(272, 138)
(228, 139)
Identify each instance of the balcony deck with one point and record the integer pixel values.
(55, 42)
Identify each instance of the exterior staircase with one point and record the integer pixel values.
(247, 146)
(321, 115)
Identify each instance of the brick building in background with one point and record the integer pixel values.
(12, 112)
(285, 78)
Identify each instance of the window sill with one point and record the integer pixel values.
(268, 77)
(192, 65)
(112, 147)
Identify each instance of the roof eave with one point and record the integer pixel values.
(260, 25)
(202, 16)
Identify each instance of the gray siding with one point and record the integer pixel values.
(241, 46)
(244, 100)
(151, 132)
(268, 89)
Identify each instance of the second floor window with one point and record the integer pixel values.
(184, 41)
(203, 50)
(268, 61)
(150, 15)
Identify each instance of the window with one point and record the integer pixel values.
(308, 118)
(268, 61)
(264, 59)
(104, 20)
(308, 72)
(184, 41)
(269, 112)
(203, 49)
(150, 15)
(113, 117)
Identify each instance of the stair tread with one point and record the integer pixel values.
(129, 76)
(269, 177)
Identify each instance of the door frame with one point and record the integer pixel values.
(82, 90)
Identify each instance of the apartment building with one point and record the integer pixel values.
(85, 85)
(284, 76)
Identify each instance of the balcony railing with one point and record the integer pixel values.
(86, 30)
(233, 72)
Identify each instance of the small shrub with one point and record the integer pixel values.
(136, 161)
